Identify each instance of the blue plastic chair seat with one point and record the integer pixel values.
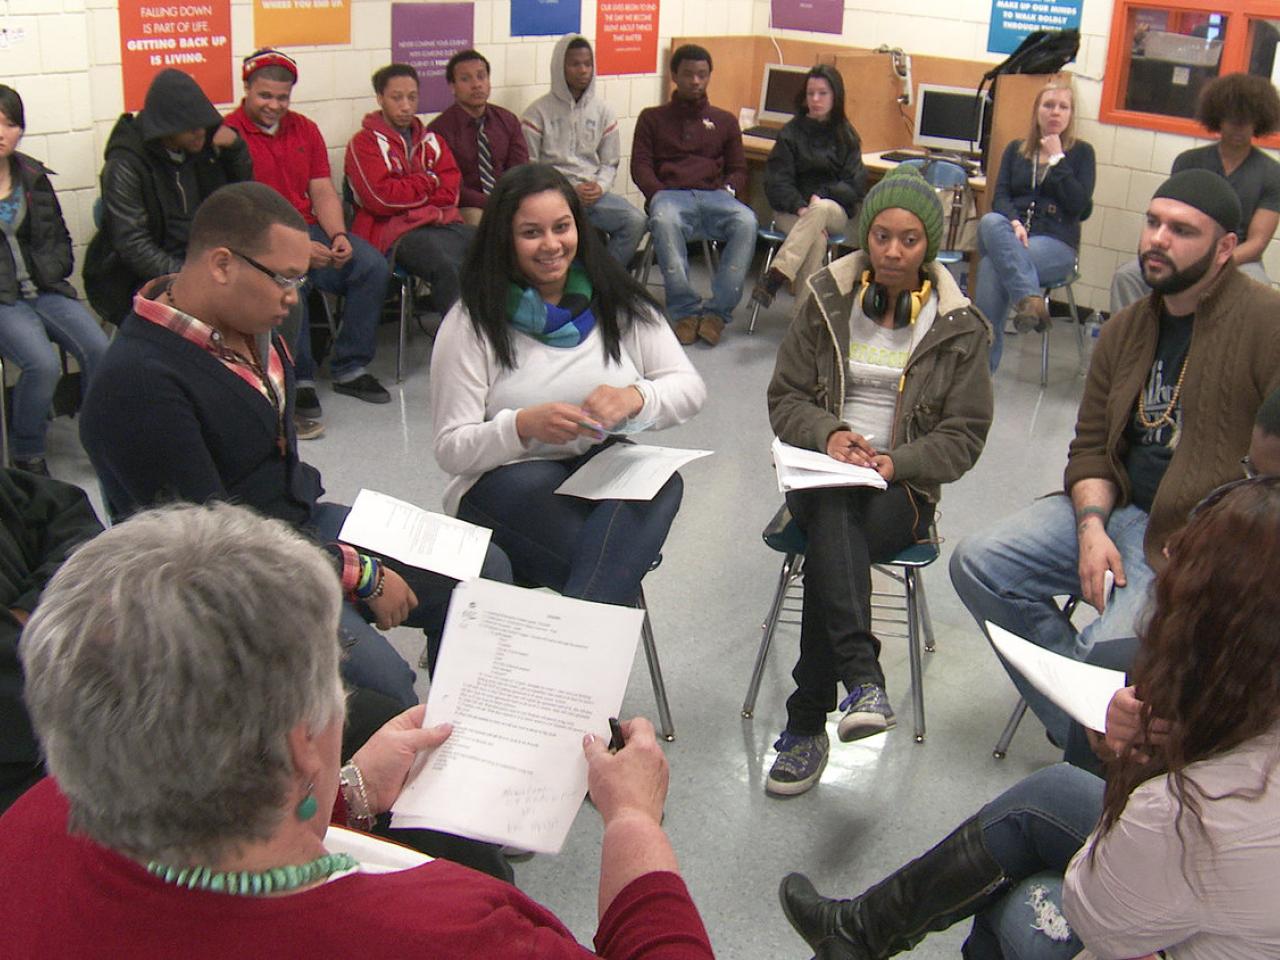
(772, 234)
(784, 535)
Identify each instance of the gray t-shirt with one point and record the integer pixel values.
(873, 371)
(1256, 181)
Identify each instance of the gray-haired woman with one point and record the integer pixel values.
(182, 675)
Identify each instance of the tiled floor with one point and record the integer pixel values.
(880, 801)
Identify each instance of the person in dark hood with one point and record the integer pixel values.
(160, 164)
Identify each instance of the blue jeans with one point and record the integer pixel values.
(362, 281)
(28, 330)
(1033, 830)
(1011, 573)
(677, 217)
(622, 223)
(596, 550)
(1010, 271)
(368, 660)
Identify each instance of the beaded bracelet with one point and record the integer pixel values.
(377, 587)
(359, 813)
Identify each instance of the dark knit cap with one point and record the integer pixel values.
(903, 187)
(1208, 193)
(175, 103)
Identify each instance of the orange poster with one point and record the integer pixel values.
(194, 37)
(292, 23)
(626, 36)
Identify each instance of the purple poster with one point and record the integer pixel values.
(820, 16)
(426, 35)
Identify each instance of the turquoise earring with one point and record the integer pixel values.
(307, 806)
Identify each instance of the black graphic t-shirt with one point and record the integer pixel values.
(1150, 450)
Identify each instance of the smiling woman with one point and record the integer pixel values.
(553, 348)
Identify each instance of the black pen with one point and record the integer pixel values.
(616, 742)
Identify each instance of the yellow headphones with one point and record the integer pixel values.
(875, 301)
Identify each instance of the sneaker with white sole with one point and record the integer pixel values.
(866, 712)
(799, 764)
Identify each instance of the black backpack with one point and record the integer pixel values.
(1041, 51)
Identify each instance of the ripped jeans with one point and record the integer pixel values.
(1033, 830)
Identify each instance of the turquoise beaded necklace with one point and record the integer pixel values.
(249, 884)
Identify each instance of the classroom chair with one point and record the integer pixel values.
(1020, 708)
(1067, 285)
(773, 238)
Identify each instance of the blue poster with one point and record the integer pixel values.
(1012, 20)
(545, 18)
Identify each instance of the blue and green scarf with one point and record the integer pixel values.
(565, 324)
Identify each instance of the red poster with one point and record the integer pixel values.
(194, 37)
(626, 36)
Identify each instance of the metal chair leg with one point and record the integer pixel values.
(655, 673)
(764, 272)
(913, 651)
(1010, 728)
(406, 311)
(1075, 319)
(1044, 359)
(929, 645)
(790, 569)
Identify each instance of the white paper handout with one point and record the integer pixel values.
(1081, 689)
(430, 541)
(627, 471)
(522, 675)
(800, 469)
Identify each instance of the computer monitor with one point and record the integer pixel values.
(779, 92)
(949, 118)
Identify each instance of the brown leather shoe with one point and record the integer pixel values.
(1031, 313)
(710, 329)
(687, 329)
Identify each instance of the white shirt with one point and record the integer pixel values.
(474, 401)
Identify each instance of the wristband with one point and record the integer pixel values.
(370, 583)
(1084, 513)
(359, 813)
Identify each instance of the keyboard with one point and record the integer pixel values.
(897, 156)
(769, 133)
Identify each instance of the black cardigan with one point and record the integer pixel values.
(42, 235)
(811, 157)
(164, 420)
(1063, 199)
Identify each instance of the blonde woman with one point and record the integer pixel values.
(1030, 239)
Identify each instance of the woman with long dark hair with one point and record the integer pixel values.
(814, 180)
(553, 351)
(1178, 849)
(37, 306)
(1031, 237)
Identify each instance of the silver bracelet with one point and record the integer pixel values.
(359, 814)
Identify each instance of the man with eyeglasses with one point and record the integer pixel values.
(195, 402)
(1172, 392)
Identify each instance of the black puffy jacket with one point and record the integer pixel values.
(42, 235)
(812, 157)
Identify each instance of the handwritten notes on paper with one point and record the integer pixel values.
(429, 541)
(522, 675)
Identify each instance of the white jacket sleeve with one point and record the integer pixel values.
(673, 390)
(462, 371)
(1133, 898)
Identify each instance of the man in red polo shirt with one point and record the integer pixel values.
(289, 155)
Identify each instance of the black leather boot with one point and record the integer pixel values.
(954, 880)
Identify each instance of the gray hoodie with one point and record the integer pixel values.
(580, 139)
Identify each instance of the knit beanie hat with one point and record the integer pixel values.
(1208, 193)
(903, 187)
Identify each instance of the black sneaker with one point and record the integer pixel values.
(364, 387)
(307, 404)
(34, 465)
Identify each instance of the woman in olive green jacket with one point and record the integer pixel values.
(886, 367)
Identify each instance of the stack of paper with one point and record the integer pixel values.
(800, 469)
(523, 675)
(428, 541)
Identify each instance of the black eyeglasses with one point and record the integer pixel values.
(1217, 493)
(293, 284)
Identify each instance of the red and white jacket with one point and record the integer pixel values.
(397, 189)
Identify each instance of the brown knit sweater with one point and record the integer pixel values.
(1232, 365)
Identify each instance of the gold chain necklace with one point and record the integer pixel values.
(1165, 419)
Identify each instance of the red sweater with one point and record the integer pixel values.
(685, 145)
(287, 160)
(397, 190)
(65, 896)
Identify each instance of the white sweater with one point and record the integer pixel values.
(474, 401)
